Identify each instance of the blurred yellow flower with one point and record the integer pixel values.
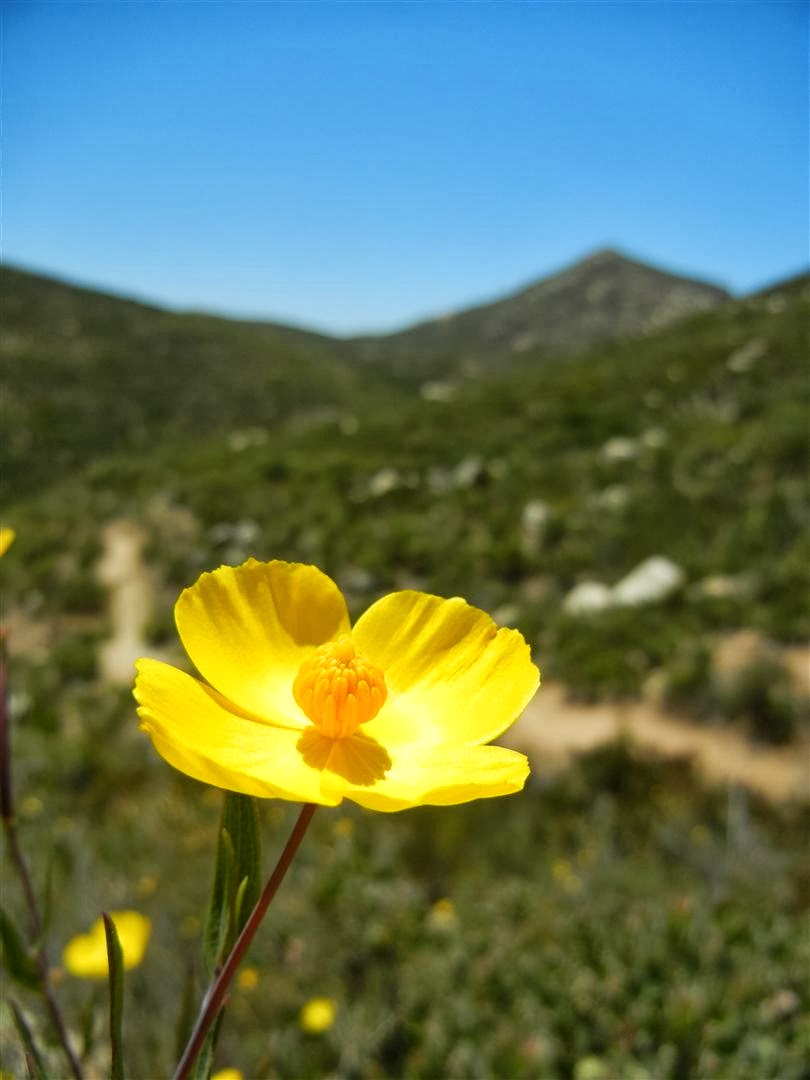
(32, 806)
(6, 539)
(392, 713)
(248, 978)
(85, 955)
(443, 914)
(317, 1015)
(227, 1074)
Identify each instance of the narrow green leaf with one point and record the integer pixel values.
(33, 1058)
(237, 906)
(115, 963)
(237, 876)
(242, 822)
(216, 924)
(19, 963)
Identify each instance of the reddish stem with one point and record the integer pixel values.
(215, 995)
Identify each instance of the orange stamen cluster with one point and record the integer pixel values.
(339, 689)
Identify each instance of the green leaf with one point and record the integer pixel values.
(237, 907)
(19, 963)
(33, 1058)
(115, 963)
(237, 877)
(216, 924)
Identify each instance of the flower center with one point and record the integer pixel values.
(339, 689)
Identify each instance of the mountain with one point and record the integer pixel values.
(602, 297)
(87, 374)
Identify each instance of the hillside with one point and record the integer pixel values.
(86, 374)
(688, 445)
(603, 297)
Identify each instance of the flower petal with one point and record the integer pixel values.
(437, 778)
(453, 677)
(248, 629)
(6, 539)
(198, 732)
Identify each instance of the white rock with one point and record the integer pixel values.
(654, 438)
(533, 521)
(437, 391)
(535, 514)
(383, 481)
(506, 615)
(620, 448)
(614, 497)
(587, 597)
(468, 472)
(651, 581)
(744, 358)
(725, 586)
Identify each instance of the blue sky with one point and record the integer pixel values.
(356, 166)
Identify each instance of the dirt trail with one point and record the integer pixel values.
(131, 599)
(554, 729)
(551, 731)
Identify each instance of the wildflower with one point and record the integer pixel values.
(227, 1074)
(248, 978)
(85, 955)
(317, 1016)
(442, 914)
(6, 539)
(298, 705)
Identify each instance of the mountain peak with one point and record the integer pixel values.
(605, 295)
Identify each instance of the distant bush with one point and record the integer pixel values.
(761, 696)
(76, 658)
(80, 594)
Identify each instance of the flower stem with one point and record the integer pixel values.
(215, 995)
(23, 873)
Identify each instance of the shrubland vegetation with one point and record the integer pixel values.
(510, 489)
(616, 921)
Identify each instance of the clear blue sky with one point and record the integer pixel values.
(355, 166)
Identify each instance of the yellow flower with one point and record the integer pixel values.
(86, 954)
(6, 539)
(391, 713)
(227, 1074)
(248, 978)
(317, 1015)
(443, 914)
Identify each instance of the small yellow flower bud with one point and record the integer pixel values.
(317, 1016)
